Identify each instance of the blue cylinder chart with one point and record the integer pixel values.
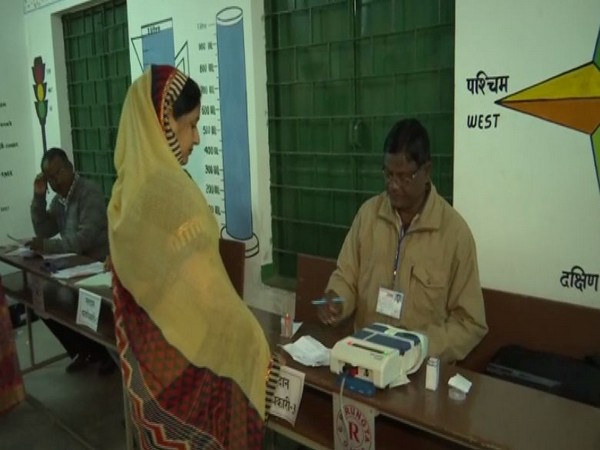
(234, 126)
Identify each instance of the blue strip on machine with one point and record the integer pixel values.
(392, 342)
(376, 333)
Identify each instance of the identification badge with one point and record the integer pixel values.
(390, 302)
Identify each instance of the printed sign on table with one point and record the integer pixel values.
(88, 309)
(355, 428)
(288, 394)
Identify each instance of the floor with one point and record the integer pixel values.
(89, 404)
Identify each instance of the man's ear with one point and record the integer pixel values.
(427, 169)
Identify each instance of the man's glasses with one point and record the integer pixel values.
(400, 179)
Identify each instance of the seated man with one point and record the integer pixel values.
(409, 258)
(78, 214)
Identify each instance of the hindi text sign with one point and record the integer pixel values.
(88, 309)
(288, 394)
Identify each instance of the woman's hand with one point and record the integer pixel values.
(107, 264)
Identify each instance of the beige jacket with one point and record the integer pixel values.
(437, 273)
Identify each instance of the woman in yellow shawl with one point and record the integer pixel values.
(195, 361)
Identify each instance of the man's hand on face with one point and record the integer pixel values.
(36, 244)
(39, 184)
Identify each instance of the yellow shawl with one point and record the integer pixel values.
(164, 249)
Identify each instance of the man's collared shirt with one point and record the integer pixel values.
(79, 218)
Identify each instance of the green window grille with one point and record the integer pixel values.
(340, 73)
(98, 75)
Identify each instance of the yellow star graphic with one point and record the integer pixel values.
(571, 99)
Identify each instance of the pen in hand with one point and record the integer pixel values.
(14, 239)
(329, 308)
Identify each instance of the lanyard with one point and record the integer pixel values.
(397, 259)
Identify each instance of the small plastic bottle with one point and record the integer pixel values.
(286, 326)
(432, 375)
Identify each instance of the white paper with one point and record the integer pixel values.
(88, 309)
(400, 381)
(288, 394)
(23, 252)
(308, 351)
(461, 383)
(52, 256)
(80, 271)
(26, 252)
(103, 279)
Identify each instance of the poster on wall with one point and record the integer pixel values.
(17, 165)
(40, 89)
(527, 144)
(211, 46)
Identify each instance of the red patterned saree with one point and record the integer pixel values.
(11, 382)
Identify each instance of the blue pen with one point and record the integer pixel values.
(322, 301)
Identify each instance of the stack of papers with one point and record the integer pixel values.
(26, 252)
(308, 351)
(23, 252)
(103, 279)
(80, 271)
(52, 256)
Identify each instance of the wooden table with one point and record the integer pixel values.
(16, 285)
(495, 415)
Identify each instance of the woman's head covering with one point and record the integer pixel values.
(164, 245)
(167, 84)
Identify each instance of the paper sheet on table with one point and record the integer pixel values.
(24, 252)
(80, 271)
(57, 256)
(308, 351)
(461, 383)
(103, 279)
(400, 381)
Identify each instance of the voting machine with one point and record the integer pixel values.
(379, 354)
